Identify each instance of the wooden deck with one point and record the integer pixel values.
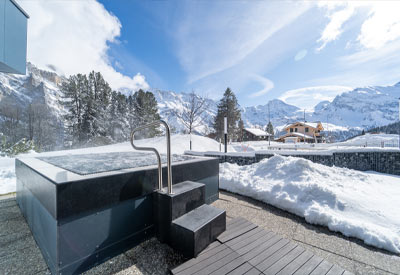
(245, 248)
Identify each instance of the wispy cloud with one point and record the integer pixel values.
(268, 85)
(381, 25)
(213, 36)
(337, 18)
(308, 97)
(74, 37)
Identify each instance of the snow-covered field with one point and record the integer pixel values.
(371, 141)
(364, 205)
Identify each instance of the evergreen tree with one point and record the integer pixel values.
(228, 107)
(363, 132)
(73, 102)
(145, 111)
(270, 129)
(101, 95)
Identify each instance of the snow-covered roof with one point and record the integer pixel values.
(309, 124)
(257, 132)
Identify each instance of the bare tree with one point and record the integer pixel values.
(190, 116)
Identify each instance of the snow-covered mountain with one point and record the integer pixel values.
(349, 112)
(361, 108)
(170, 102)
(37, 87)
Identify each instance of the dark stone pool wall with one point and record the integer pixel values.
(81, 220)
(383, 162)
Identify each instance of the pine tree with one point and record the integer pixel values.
(145, 111)
(73, 102)
(101, 95)
(228, 107)
(270, 129)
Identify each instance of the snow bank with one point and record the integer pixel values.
(179, 143)
(357, 204)
(372, 140)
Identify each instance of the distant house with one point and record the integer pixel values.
(254, 134)
(302, 132)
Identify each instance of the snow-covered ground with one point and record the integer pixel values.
(179, 144)
(372, 140)
(364, 205)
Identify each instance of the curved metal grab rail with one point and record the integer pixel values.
(168, 134)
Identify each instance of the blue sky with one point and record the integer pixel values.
(300, 52)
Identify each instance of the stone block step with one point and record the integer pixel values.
(187, 196)
(194, 231)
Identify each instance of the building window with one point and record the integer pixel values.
(295, 129)
(306, 129)
(291, 130)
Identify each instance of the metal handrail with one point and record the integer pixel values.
(168, 135)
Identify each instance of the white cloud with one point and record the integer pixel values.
(72, 36)
(308, 97)
(212, 37)
(334, 28)
(382, 26)
(268, 85)
(300, 55)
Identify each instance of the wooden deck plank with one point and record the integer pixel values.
(265, 253)
(246, 236)
(202, 256)
(234, 221)
(322, 268)
(235, 233)
(276, 256)
(198, 265)
(335, 270)
(249, 247)
(284, 261)
(296, 263)
(231, 231)
(230, 266)
(211, 246)
(218, 264)
(241, 269)
(245, 248)
(253, 271)
(309, 266)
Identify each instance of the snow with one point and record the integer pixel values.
(357, 204)
(179, 144)
(372, 140)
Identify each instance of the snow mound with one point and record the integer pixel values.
(357, 204)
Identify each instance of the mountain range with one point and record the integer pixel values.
(347, 114)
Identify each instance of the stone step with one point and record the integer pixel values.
(187, 196)
(194, 231)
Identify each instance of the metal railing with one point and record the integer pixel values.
(168, 135)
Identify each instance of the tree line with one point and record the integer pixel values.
(94, 114)
(97, 115)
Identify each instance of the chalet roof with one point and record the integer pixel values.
(257, 132)
(309, 124)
